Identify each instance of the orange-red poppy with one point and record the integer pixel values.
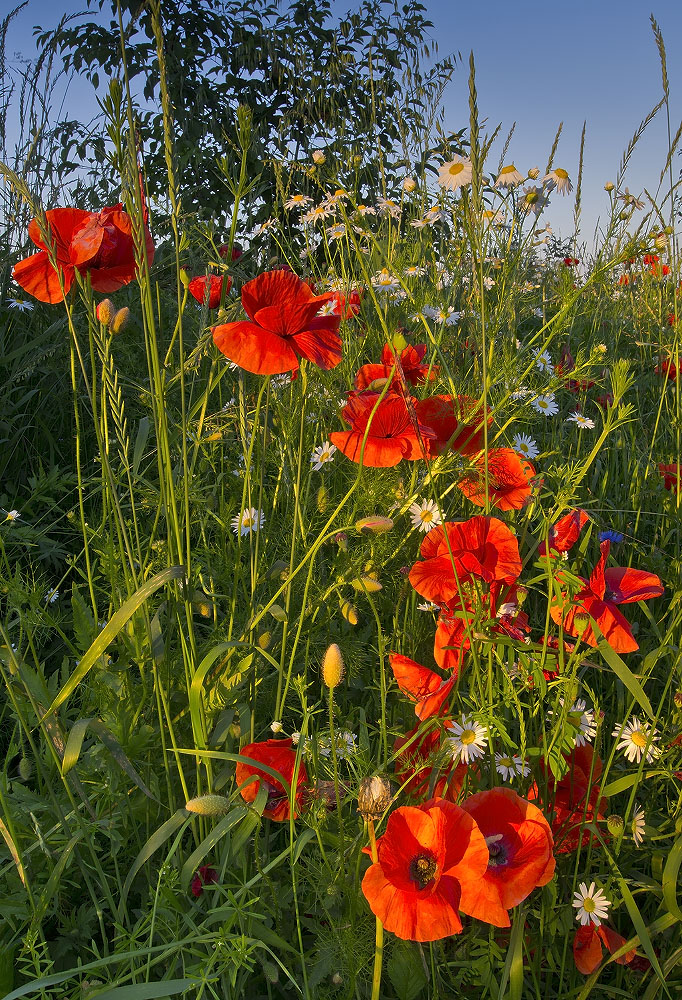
(452, 637)
(457, 423)
(508, 480)
(574, 800)
(214, 283)
(404, 368)
(391, 430)
(587, 947)
(427, 858)
(427, 689)
(347, 307)
(452, 553)
(99, 243)
(281, 757)
(598, 598)
(564, 534)
(671, 475)
(283, 326)
(519, 841)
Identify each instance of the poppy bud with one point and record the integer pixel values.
(366, 583)
(333, 667)
(615, 825)
(184, 277)
(25, 769)
(106, 310)
(409, 184)
(374, 797)
(376, 525)
(322, 497)
(264, 640)
(318, 157)
(208, 805)
(120, 320)
(278, 613)
(581, 622)
(348, 612)
(337, 979)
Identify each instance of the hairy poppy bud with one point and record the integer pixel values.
(208, 805)
(374, 797)
(373, 525)
(25, 769)
(333, 667)
(368, 583)
(120, 320)
(349, 612)
(106, 310)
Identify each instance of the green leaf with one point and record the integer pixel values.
(157, 840)
(53, 883)
(406, 972)
(147, 991)
(219, 831)
(513, 966)
(197, 685)
(140, 444)
(111, 630)
(624, 674)
(669, 881)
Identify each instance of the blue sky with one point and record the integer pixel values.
(595, 61)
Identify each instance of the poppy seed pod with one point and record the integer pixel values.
(333, 668)
(615, 825)
(208, 805)
(120, 320)
(105, 311)
(374, 797)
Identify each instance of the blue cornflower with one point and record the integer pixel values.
(611, 536)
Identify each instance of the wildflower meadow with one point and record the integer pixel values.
(340, 551)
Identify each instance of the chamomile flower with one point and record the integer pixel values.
(425, 515)
(249, 520)
(329, 308)
(455, 173)
(591, 904)
(582, 720)
(525, 446)
(414, 271)
(265, 226)
(427, 606)
(488, 283)
(633, 737)
(21, 304)
(533, 199)
(521, 392)
(323, 455)
(544, 362)
(317, 213)
(276, 727)
(509, 177)
(336, 232)
(583, 422)
(559, 179)
(366, 210)
(510, 766)
(467, 739)
(545, 404)
(638, 825)
(298, 201)
(12, 515)
(385, 205)
(384, 281)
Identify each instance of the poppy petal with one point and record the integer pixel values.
(255, 349)
(37, 276)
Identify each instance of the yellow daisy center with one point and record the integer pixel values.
(455, 168)
(511, 169)
(638, 738)
(467, 737)
(426, 516)
(561, 174)
(589, 905)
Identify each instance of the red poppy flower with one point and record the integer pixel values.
(99, 243)
(425, 687)
(605, 400)
(564, 534)
(348, 307)
(587, 947)
(509, 478)
(570, 261)
(283, 326)
(279, 755)
(452, 637)
(598, 599)
(574, 800)
(406, 368)
(583, 385)
(671, 476)
(392, 430)
(235, 254)
(205, 875)
(667, 369)
(197, 289)
(482, 546)
(457, 423)
(520, 844)
(426, 859)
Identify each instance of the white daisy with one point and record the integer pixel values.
(298, 201)
(591, 904)
(51, 596)
(413, 271)
(581, 718)
(249, 520)
(336, 232)
(468, 739)
(12, 515)
(384, 280)
(388, 207)
(559, 179)
(366, 210)
(634, 737)
(544, 362)
(638, 826)
(509, 177)
(545, 404)
(322, 211)
(21, 304)
(409, 184)
(510, 766)
(425, 515)
(455, 173)
(428, 606)
(583, 422)
(329, 308)
(268, 224)
(533, 199)
(323, 455)
(488, 283)
(525, 446)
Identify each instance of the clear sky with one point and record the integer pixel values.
(585, 61)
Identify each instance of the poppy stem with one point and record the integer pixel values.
(379, 936)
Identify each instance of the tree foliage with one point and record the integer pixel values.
(352, 86)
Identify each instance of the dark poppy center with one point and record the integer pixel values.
(608, 595)
(497, 851)
(275, 795)
(423, 870)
